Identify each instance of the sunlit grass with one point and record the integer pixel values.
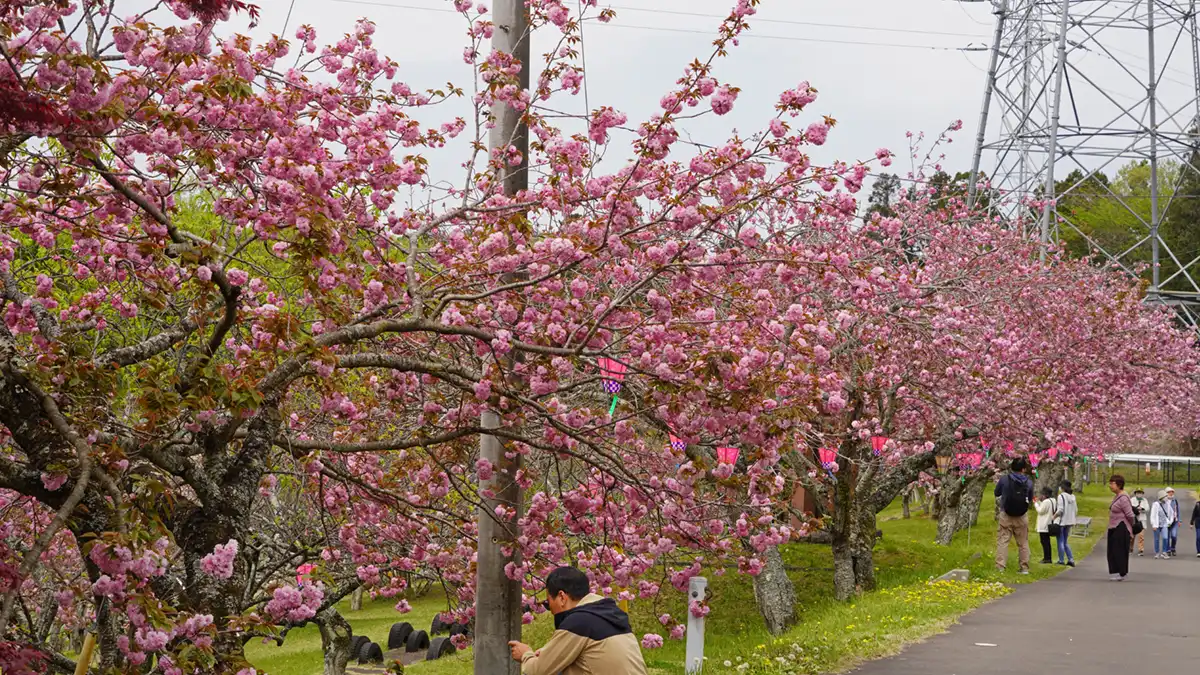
(831, 636)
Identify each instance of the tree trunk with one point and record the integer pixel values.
(775, 594)
(959, 503)
(948, 498)
(853, 534)
(356, 600)
(972, 499)
(904, 505)
(335, 640)
(1049, 475)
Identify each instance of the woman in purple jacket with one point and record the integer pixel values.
(1120, 529)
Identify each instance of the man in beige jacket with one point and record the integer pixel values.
(591, 636)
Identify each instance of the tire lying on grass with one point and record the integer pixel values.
(417, 641)
(398, 635)
(371, 652)
(440, 647)
(356, 643)
(460, 629)
(438, 626)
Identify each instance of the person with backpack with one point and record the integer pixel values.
(1141, 512)
(1066, 514)
(1045, 513)
(1121, 529)
(1015, 492)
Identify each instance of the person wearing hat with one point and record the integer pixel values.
(1161, 525)
(1173, 520)
(1141, 511)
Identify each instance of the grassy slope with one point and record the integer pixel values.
(830, 636)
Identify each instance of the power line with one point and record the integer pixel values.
(393, 5)
(790, 22)
(287, 19)
(785, 38)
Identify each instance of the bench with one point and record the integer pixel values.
(1082, 525)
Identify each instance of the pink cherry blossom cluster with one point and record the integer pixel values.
(295, 604)
(219, 563)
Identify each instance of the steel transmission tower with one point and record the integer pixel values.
(1080, 88)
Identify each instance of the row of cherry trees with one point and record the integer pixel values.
(245, 330)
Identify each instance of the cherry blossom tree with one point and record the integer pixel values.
(246, 329)
(214, 287)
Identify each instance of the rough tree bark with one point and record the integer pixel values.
(862, 491)
(1049, 475)
(973, 499)
(775, 594)
(356, 600)
(335, 640)
(958, 504)
(904, 506)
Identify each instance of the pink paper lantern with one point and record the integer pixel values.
(727, 455)
(613, 373)
(303, 571)
(1034, 459)
(877, 443)
(828, 458)
(677, 443)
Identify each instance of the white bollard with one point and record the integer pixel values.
(694, 662)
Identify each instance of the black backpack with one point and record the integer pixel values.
(1014, 495)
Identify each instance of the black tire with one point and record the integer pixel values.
(459, 629)
(417, 641)
(440, 647)
(438, 626)
(398, 635)
(356, 644)
(370, 653)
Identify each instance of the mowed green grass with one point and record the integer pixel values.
(830, 636)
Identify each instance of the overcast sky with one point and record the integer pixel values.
(869, 80)
(882, 67)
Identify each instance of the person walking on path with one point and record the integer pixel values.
(1015, 492)
(1158, 522)
(1120, 529)
(1174, 518)
(1196, 521)
(591, 635)
(1045, 513)
(1066, 513)
(1141, 511)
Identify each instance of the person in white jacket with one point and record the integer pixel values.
(1045, 513)
(1066, 515)
(1161, 525)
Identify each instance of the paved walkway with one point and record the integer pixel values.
(1077, 622)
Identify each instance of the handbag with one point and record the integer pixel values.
(1055, 528)
(1137, 523)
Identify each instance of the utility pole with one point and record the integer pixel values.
(498, 598)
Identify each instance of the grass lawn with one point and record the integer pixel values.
(829, 637)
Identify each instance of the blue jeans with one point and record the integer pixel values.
(1173, 531)
(1064, 545)
(1162, 540)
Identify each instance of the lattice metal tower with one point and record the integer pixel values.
(1080, 88)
